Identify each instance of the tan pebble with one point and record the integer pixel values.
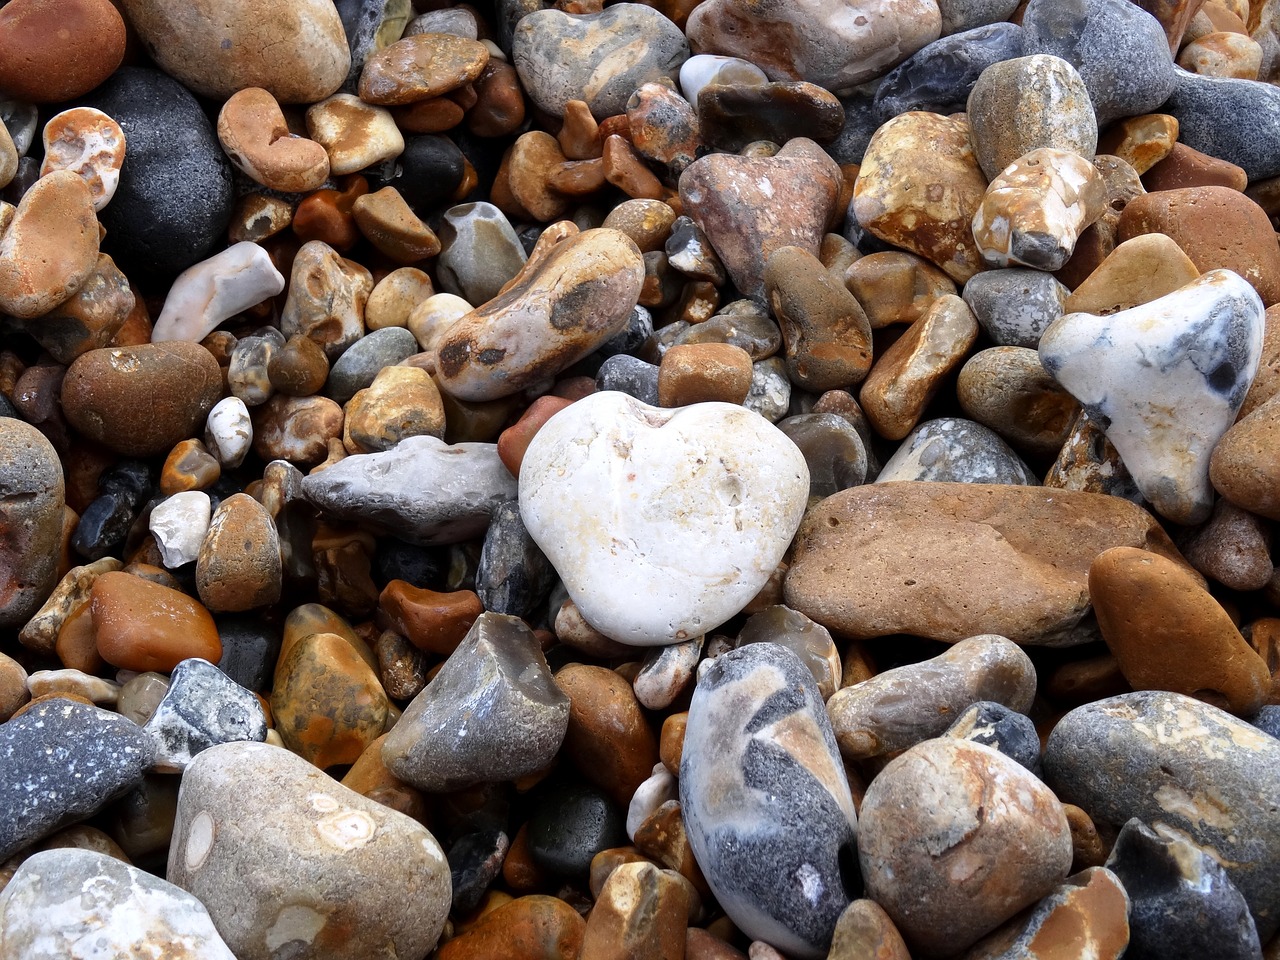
(370, 778)
(258, 217)
(140, 695)
(529, 163)
(50, 246)
(143, 626)
(8, 160)
(395, 296)
(1006, 389)
(895, 286)
(1087, 848)
(641, 913)
(907, 375)
(189, 466)
(327, 296)
(310, 618)
(13, 686)
(421, 67)
(865, 932)
(701, 945)
(572, 629)
(1266, 382)
(662, 838)
(1168, 633)
(299, 368)
(388, 222)
(1244, 467)
(646, 222)
(1222, 54)
(239, 566)
(89, 144)
(297, 429)
(401, 402)
(429, 320)
(356, 135)
(255, 136)
(1136, 272)
(40, 635)
(44, 683)
(697, 373)
(1141, 141)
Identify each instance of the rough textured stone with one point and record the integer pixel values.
(32, 499)
(202, 707)
(1210, 111)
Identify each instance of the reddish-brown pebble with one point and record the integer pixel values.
(435, 622)
(144, 626)
(671, 742)
(239, 566)
(56, 50)
(77, 645)
(515, 440)
(189, 466)
(702, 372)
(527, 928)
(1185, 167)
(519, 871)
(701, 945)
(13, 686)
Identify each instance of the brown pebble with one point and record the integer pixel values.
(1266, 382)
(640, 914)
(1135, 272)
(527, 928)
(50, 244)
(1185, 167)
(297, 429)
(607, 861)
(701, 945)
(865, 932)
(663, 839)
(56, 50)
(326, 214)
(702, 372)
(671, 741)
(92, 317)
(390, 224)
(13, 686)
(515, 440)
(421, 67)
(189, 466)
(434, 622)
(1141, 141)
(1087, 848)
(1233, 547)
(499, 108)
(253, 133)
(1168, 633)
(144, 626)
(519, 871)
(895, 286)
(299, 368)
(239, 566)
(77, 645)
(1244, 467)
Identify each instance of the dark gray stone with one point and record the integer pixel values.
(639, 330)
(357, 367)
(202, 707)
(995, 725)
(959, 15)
(1233, 120)
(1182, 903)
(1267, 720)
(60, 762)
(174, 200)
(954, 450)
(1015, 305)
(514, 576)
(860, 123)
(569, 826)
(1119, 49)
(32, 498)
(250, 646)
(938, 77)
(1180, 765)
(631, 376)
(765, 801)
(832, 449)
(475, 860)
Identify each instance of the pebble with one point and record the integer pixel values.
(228, 431)
(906, 705)
(1008, 731)
(180, 524)
(32, 500)
(1142, 370)
(202, 707)
(335, 875)
(326, 300)
(641, 912)
(479, 252)
(355, 135)
(239, 566)
(437, 747)
(141, 625)
(1233, 548)
(89, 144)
(67, 761)
(716, 482)
(531, 926)
(1008, 390)
(1242, 468)
(1191, 769)
(1181, 898)
(420, 67)
(50, 246)
(54, 52)
(954, 450)
(1036, 543)
(757, 730)
(1139, 270)
(58, 898)
(97, 691)
(513, 576)
(1208, 111)
(203, 296)
(570, 826)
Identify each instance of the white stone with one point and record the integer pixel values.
(228, 431)
(1165, 380)
(216, 289)
(101, 692)
(83, 904)
(91, 145)
(662, 523)
(649, 796)
(179, 525)
(429, 320)
(707, 68)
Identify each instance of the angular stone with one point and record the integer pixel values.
(739, 202)
(956, 838)
(808, 640)
(214, 290)
(179, 525)
(59, 899)
(1143, 371)
(560, 308)
(491, 713)
(401, 402)
(1036, 545)
(32, 499)
(600, 58)
(713, 480)
(423, 490)
(66, 760)
(327, 296)
(765, 799)
(642, 912)
(201, 708)
(513, 576)
(996, 726)
(333, 875)
(903, 706)
(919, 187)
(1185, 768)
(1089, 462)
(665, 674)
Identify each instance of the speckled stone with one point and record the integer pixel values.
(423, 489)
(60, 899)
(765, 800)
(955, 838)
(66, 761)
(954, 450)
(491, 713)
(202, 707)
(333, 875)
(1184, 767)
(1210, 112)
(905, 705)
(32, 497)
(590, 464)
(996, 726)
(1142, 371)
(1014, 306)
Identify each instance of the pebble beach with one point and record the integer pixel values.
(682, 480)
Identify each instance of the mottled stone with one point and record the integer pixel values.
(731, 117)
(91, 318)
(715, 481)
(61, 899)
(513, 576)
(89, 144)
(1210, 111)
(479, 252)
(832, 449)
(70, 594)
(854, 576)
(355, 135)
(919, 187)
(1138, 271)
(953, 450)
(556, 311)
(996, 726)
(956, 838)
(66, 761)
(600, 58)
(757, 730)
(1185, 768)
(491, 713)
(1008, 390)
(327, 296)
(297, 429)
(1142, 371)
(751, 206)
(217, 47)
(32, 498)
(335, 875)
(423, 489)
(401, 402)
(1088, 461)
(896, 287)
(1233, 547)
(49, 245)
(239, 566)
(836, 47)
(901, 707)
(202, 707)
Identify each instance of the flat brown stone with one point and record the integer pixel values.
(952, 560)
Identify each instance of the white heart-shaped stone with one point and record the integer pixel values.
(662, 523)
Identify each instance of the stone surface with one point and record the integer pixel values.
(179, 524)
(849, 574)
(61, 899)
(1243, 467)
(32, 498)
(338, 876)
(641, 912)
(1008, 390)
(1209, 111)
(712, 481)
(765, 800)
(66, 761)
(952, 450)
(89, 144)
(215, 290)
(956, 838)
(995, 725)
(479, 252)
(491, 713)
(1014, 306)
(49, 247)
(609, 739)
(53, 52)
(202, 707)
(1186, 769)
(327, 296)
(902, 706)
(1139, 270)
(1142, 371)
(141, 625)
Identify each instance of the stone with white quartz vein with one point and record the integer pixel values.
(662, 523)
